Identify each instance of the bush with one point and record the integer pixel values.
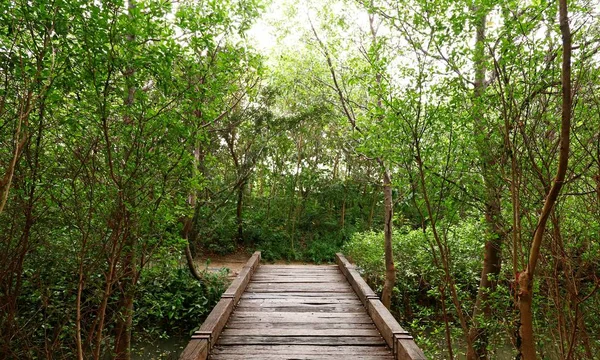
(172, 302)
(416, 294)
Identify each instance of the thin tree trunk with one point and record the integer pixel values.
(80, 286)
(6, 180)
(478, 337)
(239, 213)
(525, 280)
(372, 211)
(190, 262)
(390, 271)
(102, 310)
(343, 213)
(125, 318)
(448, 330)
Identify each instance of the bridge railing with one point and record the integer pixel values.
(203, 339)
(398, 339)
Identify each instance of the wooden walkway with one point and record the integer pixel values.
(300, 312)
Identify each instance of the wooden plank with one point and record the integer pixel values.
(234, 324)
(254, 260)
(299, 357)
(283, 271)
(301, 340)
(303, 317)
(300, 287)
(304, 308)
(395, 336)
(362, 289)
(407, 349)
(216, 320)
(300, 332)
(290, 271)
(238, 286)
(298, 301)
(300, 267)
(300, 349)
(384, 320)
(316, 279)
(298, 295)
(392, 332)
(195, 350)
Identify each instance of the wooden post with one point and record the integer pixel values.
(399, 340)
(203, 339)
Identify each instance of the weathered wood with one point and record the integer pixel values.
(211, 328)
(294, 350)
(300, 312)
(216, 320)
(297, 357)
(308, 331)
(362, 289)
(195, 350)
(298, 295)
(300, 309)
(301, 301)
(299, 279)
(302, 317)
(299, 267)
(299, 287)
(301, 340)
(234, 324)
(384, 320)
(238, 286)
(395, 336)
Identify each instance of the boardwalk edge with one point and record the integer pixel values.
(202, 340)
(399, 340)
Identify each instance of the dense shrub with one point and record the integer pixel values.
(416, 294)
(171, 302)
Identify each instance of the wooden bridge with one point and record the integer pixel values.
(300, 312)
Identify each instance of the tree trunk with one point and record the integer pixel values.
(478, 337)
(189, 257)
(525, 280)
(128, 281)
(372, 211)
(125, 320)
(239, 213)
(390, 271)
(343, 214)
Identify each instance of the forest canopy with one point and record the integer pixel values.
(451, 149)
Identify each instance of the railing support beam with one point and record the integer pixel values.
(401, 343)
(203, 339)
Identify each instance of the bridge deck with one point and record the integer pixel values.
(300, 312)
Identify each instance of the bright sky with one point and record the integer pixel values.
(284, 27)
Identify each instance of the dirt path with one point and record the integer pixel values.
(233, 262)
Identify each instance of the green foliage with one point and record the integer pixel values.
(172, 302)
(416, 298)
(128, 128)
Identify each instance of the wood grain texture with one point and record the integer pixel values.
(218, 317)
(301, 312)
(238, 286)
(195, 350)
(395, 336)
